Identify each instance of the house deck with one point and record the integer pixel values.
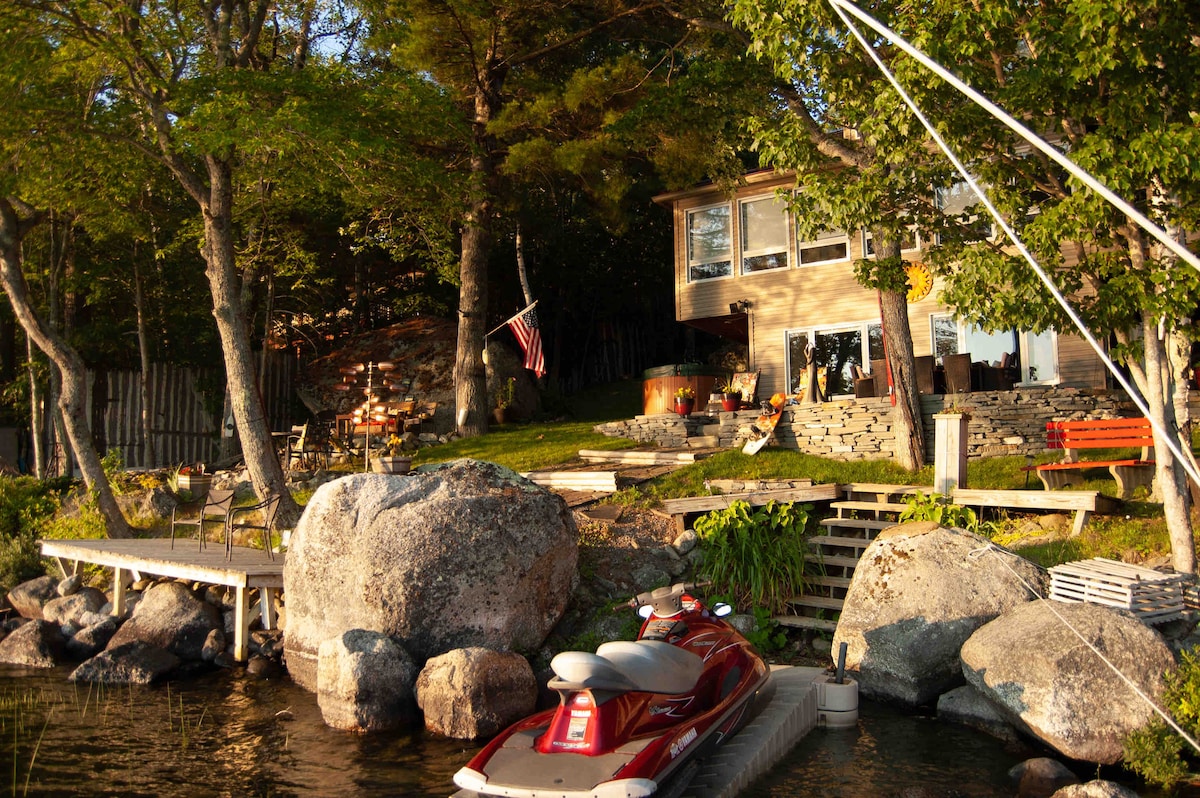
(248, 569)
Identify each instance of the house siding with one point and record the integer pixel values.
(819, 296)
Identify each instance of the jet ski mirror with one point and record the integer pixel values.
(645, 610)
(721, 610)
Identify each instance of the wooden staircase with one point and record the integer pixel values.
(834, 554)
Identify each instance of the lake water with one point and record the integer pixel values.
(225, 734)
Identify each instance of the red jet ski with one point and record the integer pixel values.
(632, 716)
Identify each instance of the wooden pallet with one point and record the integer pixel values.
(1155, 597)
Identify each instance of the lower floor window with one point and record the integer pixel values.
(837, 350)
(1034, 353)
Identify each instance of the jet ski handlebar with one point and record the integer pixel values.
(665, 600)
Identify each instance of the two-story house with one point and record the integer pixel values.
(742, 272)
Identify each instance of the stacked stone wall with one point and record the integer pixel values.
(1002, 422)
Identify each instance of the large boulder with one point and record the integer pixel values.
(70, 609)
(28, 598)
(465, 554)
(135, 662)
(365, 682)
(918, 593)
(171, 617)
(37, 644)
(470, 693)
(1032, 665)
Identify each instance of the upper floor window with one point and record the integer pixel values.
(709, 243)
(827, 246)
(764, 227)
(955, 202)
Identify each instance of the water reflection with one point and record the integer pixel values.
(223, 734)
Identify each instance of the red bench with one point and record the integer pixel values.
(1071, 436)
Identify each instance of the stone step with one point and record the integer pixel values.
(710, 429)
(804, 622)
(704, 442)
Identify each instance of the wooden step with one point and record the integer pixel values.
(819, 602)
(837, 541)
(853, 490)
(875, 507)
(835, 559)
(574, 480)
(635, 456)
(750, 485)
(833, 582)
(804, 622)
(867, 525)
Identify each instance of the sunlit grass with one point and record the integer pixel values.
(525, 447)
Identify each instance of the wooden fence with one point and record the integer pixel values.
(185, 408)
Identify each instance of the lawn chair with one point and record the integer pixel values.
(267, 509)
(215, 510)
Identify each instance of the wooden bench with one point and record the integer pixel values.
(1071, 436)
(1082, 502)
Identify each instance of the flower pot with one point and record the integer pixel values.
(195, 484)
(731, 401)
(500, 415)
(684, 406)
(392, 464)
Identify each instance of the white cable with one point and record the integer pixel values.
(1168, 437)
(1023, 132)
(990, 547)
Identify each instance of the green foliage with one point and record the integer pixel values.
(1155, 752)
(767, 636)
(26, 505)
(86, 523)
(934, 507)
(756, 554)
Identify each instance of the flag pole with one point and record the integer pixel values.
(513, 316)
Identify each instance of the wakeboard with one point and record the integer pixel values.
(762, 429)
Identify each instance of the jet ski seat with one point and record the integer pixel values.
(650, 666)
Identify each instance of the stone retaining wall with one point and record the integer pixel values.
(1002, 422)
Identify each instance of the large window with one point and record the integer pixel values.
(764, 223)
(836, 349)
(1035, 353)
(827, 246)
(709, 243)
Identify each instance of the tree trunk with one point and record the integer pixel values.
(266, 473)
(149, 457)
(37, 418)
(73, 399)
(470, 372)
(897, 341)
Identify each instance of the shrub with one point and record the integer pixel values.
(26, 505)
(756, 555)
(1155, 751)
(933, 507)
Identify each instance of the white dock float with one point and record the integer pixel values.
(789, 713)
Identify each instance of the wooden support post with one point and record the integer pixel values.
(121, 580)
(241, 626)
(266, 604)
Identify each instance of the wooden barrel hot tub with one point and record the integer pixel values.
(660, 383)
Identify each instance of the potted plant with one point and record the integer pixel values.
(392, 459)
(731, 399)
(504, 400)
(685, 400)
(193, 479)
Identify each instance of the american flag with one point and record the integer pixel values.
(525, 326)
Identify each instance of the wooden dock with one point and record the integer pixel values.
(131, 558)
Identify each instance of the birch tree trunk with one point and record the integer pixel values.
(73, 399)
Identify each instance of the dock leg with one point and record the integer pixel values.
(266, 606)
(121, 580)
(1081, 519)
(241, 627)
